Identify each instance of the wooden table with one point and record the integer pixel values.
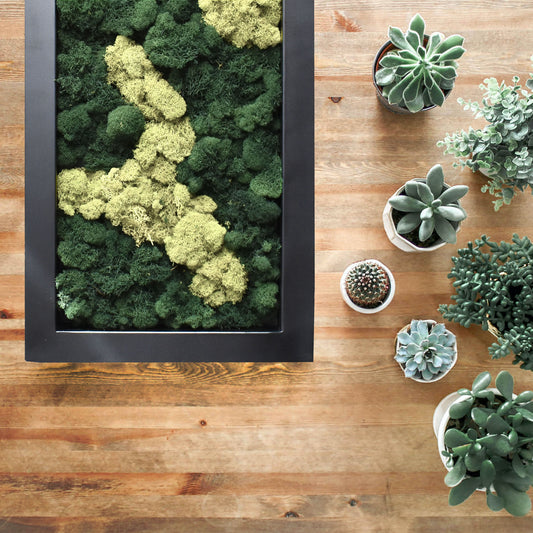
(344, 444)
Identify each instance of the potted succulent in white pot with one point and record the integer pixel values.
(424, 214)
(367, 286)
(503, 149)
(413, 71)
(485, 438)
(426, 351)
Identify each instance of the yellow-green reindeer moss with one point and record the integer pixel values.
(143, 197)
(245, 22)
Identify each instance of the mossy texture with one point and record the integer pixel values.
(142, 197)
(231, 179)
(245, 22)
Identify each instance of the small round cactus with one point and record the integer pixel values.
(367, 284)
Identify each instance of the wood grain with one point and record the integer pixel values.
(341, 445)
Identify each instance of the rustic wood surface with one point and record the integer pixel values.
(344, 444)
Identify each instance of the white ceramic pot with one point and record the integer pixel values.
(366, 310)
(438, 376)
(398, 240)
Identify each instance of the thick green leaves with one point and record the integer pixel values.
(418, 25)
(505, 384)
(396, 93)
(496, 424)
(450, 42)
(451, 213)
(398, 39)
(487, 473)
(463, 491)
(393, 60)
(426, 229)
(481, 382)
(408, 223)
(453, 194)
(385, 76)
(516, 502)
(435, 180)
(412, 90)
(406, 204)
(453, 438)
(453, 53)
(444, 229)
(456, 474)
(424, 193)
(417, 104)
(494, 502)
(460, 409)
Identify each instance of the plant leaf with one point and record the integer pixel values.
(460, 409)
(463, 491)
(456, 474)
(444, 229)
(398, 39)
(505, 384)
(453, 53)
(487, 473)
(450, 42)
(385, 76)
(424, 192)
(497, 425)
(482, 381)
(418, 25)
(406, 204)
(426, 229)
(435, 180)
(451, 213)
(453, 438)
(453, 194)
(494, 502)
(516, 502)
(408, 223)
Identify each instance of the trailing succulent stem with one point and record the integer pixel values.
(489, 445)
(425, 350)
(420, 70)
(494, 288)
(368, 284)
(431, 206)
(503, 148)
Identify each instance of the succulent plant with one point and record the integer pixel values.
(431, 206)
(494, 286)
(421, 69)
(367, 284)
(489, 445)
(504, 147)
(425, 352)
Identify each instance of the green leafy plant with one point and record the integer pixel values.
(420, 70)
(425, 350)
(494, 285)
(431, 206)
(368, 284)
(503, 148)
(489, 445)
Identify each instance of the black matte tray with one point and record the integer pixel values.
(294, 340)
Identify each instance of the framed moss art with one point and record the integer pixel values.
(169, 180)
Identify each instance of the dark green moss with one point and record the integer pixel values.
(233, 98)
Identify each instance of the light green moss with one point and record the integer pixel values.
(143, 197)
(220, 280)
(245, 22)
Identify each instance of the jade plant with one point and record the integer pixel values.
(420, 70)
(431, 207)
(489, 445)
(424, 350)
(494, 285)
(503, 148)
(367, 284)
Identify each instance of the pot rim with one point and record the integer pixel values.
(365, 310)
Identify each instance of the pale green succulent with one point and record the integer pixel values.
(425, 352)
(420, 70)
(431, 206)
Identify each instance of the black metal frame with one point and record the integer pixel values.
(294, 341)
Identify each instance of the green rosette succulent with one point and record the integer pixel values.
(431, 206)
(489, 445)
(421, 70)
(425, 352)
